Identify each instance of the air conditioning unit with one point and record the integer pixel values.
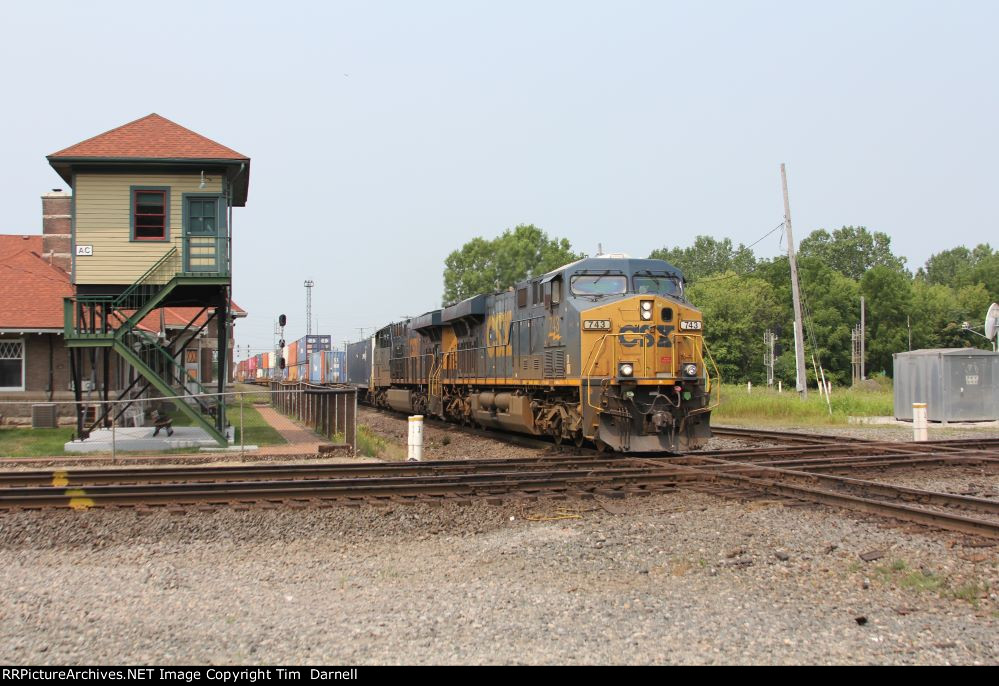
(43, 416)
(86, 386)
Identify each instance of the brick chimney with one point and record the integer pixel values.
(57, 222)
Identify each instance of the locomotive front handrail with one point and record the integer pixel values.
(595, 358)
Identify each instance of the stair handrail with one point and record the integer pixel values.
(179, 375)
(124, 295)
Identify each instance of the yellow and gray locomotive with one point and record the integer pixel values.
(605, 349)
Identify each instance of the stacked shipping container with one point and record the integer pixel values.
(329, 365)
(326, 367)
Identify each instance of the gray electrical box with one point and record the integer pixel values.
(44, 416)
(957, 384)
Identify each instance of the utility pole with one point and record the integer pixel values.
(801, 371)
(863, 337)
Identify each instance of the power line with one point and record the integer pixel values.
(745, 247)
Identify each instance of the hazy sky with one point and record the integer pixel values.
(383, 135)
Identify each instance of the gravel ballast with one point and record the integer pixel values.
(675, 578)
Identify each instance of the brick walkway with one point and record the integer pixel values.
(300, 439)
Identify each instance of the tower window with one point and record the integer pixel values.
(149, 212)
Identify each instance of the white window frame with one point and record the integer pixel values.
(24, 369)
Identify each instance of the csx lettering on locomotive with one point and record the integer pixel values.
(657, 336)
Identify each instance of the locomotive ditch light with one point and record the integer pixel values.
(626, 369)
(690, 370)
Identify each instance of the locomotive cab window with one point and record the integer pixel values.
(659, 285)
(551, 292)
(521, 297)
(599, 284)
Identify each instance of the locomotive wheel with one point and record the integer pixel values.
(556, 429)
(578, 439)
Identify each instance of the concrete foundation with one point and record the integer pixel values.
(891, 421)
(141, 439)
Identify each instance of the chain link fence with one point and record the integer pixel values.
(34, 427)
(330, 411)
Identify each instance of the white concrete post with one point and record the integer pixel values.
(242, 446)
(749, 387)
(779, 388)
(415, 438)
(919, 426)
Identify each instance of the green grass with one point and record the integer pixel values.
(765, 406)
(178, 418)
(899, 574)
(970, 592)
(372, 445)
(253, 393)
(257, 431)
(26, 442)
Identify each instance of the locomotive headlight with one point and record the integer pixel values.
(646, 315)
(646, 310)
(690, 370)
(625, 369)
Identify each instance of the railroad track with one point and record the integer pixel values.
(808, 468)
(786, 475)
(813, 457)
(890, 500)
(544, 443)
(66, 478)
(792, 437)
(548, 444)
(424, 481)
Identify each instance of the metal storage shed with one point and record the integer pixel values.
(957, 384)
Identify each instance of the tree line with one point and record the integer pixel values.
(742, 295)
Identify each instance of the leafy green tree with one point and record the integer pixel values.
(832, 307)
(851, 250)
(960, 266)
(938, 312)
(487, 266)
(832, 304)
(986, 269)
(889, 299)
(948, 268)
(737, 310)
(708, 256)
